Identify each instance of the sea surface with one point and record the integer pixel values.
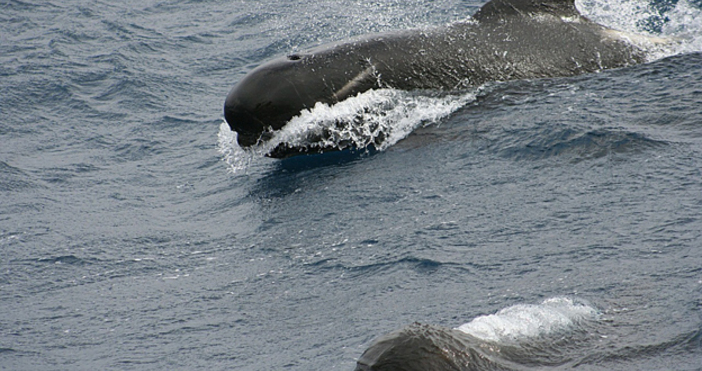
(561, 218)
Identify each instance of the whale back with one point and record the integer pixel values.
(420, 347)
(504, 9)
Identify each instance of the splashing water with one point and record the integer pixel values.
(623, 15)
(527, 321)
(237, 158)
(680, 22)
(685, 22)
(378, 118)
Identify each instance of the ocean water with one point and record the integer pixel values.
(560, 218)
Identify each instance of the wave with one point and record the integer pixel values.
(14, 179)
(377, 118)
(679, 21)
(654, 356)
(523, 322)
(575, 143)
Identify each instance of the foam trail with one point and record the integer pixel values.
(681, 24)
(378, 117)
(685, 21)
(623, 15)
(527, 321)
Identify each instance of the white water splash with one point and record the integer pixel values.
(378, 117)
(623, 15)
(681, 25)
(527, 321)
(236, 157)
(685, 22)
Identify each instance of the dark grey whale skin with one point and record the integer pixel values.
(420, 347)
(504, 40)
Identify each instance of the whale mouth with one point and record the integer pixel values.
(256, 126)
(264, 101)
(247, 126)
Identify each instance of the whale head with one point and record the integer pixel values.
(269, 96)
(275, 92)
(420, 347)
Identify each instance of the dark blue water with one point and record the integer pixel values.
(133, 236)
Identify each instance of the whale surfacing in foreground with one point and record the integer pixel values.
(421, 347)
(556, 332)
(504, 40)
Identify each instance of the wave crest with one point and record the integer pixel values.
(528, 321)
(377, 118)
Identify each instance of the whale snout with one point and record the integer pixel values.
(244, 121)
(256, 106)
(268, 97)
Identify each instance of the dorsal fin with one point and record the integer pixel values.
(500, 9)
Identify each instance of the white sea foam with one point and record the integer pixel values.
(236, 157)
(527, 321)
(640, 20)
(623, 15)
(378, 117)
(685, 22)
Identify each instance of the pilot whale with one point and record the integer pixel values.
(421, 347)
(554, 332)
(505, 40)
